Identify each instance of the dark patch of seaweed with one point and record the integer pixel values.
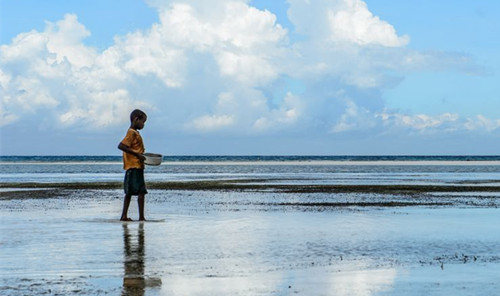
(252, 185)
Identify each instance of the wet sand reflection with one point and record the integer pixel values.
(134, 282)
(134, 278)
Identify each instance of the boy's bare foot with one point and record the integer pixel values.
(142, 219)
(126, 219)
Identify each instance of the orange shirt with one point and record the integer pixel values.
(134, 141)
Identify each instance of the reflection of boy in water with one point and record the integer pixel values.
(134, 282)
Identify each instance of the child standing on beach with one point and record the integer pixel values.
(133, 163)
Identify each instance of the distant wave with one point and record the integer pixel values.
(254, 158)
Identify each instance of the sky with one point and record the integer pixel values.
(251, 77)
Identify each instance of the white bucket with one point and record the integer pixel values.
(152, 158)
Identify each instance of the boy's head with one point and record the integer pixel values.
(138, 119)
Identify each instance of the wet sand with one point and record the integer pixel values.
(266, 185)
(250, 238)
(268, 194)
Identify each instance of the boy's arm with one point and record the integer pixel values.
(127, 149)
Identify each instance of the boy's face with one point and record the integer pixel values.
(139, 122)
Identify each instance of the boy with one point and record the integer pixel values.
(133, 162)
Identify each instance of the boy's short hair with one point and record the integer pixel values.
(137, 114)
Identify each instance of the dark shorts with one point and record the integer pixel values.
(134, 182)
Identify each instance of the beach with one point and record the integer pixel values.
(258, 229)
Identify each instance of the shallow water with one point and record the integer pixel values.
(75, 245)
(275, 174)
(69, 242)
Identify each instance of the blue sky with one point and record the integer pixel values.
(251, 77)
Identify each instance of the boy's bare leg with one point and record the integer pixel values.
(140, 203)
(126, 203)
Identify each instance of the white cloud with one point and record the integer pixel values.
(101, 109)
(65, 40)
(354, 118)
(211, 122)
(343, 40)
(6, 117)
(287, 115)
(482, 123)
(353, 22)
(55, 72)
(442, 123)
(357, 118)
(146, 54)
(242, 39)
(32, 93)
(421, 122)
(343, 21)
(4, 79)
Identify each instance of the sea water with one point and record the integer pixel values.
(250, 243)
(282, 169)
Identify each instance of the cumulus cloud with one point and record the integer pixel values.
(353, 22)
(235, 47)
(64, 39)
(224, 65)
(343, 22)
(53, 73)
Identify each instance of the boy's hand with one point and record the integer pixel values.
(141, 157)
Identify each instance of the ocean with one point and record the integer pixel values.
(354, 170)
